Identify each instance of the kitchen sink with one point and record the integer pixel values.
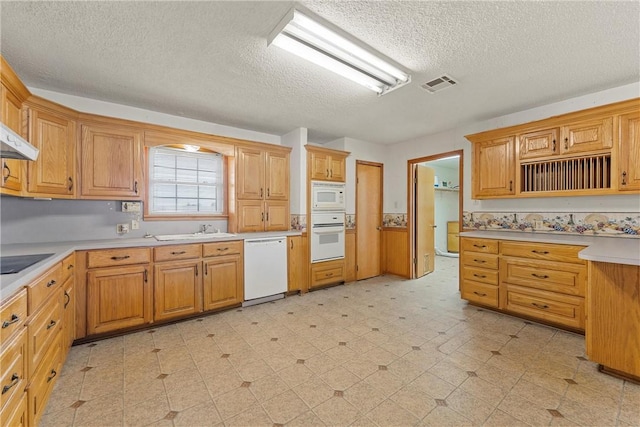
(193, 236)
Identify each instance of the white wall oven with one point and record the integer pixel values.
(327, 236)
(327, 196)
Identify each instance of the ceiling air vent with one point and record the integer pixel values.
(438, 84)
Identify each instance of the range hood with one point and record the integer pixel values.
(13, 146)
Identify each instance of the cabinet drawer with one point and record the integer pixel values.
(548, 306)
(453, 227)
(486, 246)
(114, 257)
(474, 259)
(325, 273)
(44, 288)
(44, 327)
(15, 413)
(68, 266)
(13, 314)
(222, 248)
(480, 293)
(545, 275)
(168, 253)
(543, 251)
(43, 380)
(480, 275)
(13, 368)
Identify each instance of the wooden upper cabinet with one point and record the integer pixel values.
(629, 152)
(539, 144)
(326, 164)
(12, 170)
(111, 162)
(589, 135)
(250, 174)
(277, 175)
(320, 166)
(54, 172)
(338, 168)
(493, 168)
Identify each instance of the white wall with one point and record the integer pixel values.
(297, 139)
(445, 204)
(398, 154)
(110, 109)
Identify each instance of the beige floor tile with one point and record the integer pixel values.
(443, 416)
(296, 374)
(135, 393)
(321, 363)
(385, 381)
(586, 415)
(61, 418)
(220, 383)
(470, 406)
(414, 400)
(188, 395)
(234, 402)
(364, 397)
(425, 358)
(361, 367)
(390, 413)
(267, 387)
(254, 416)
(433, 386)
(314, 392)
(146, 412)
(449, 372)
(254, 370)
(336, 412)
(308, 419)
(549, 382)
(501, 378)
(502, 419)
(541, 396)
(593, 399)
(111, 419)
(339, 378)
(524, 410)
(484, 390)
(285, 407)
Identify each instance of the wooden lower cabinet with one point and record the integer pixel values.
(118, 298)
(13, 369)
(350, 256)
(223, 281)
(453, 236)
(296, 260)
(43, 328)
(43, 380)
(177, 289)
(69, 312)
(553, 307)
(15, 414)
(327, 273)
(479, 276)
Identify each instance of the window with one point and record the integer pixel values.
(185, 183)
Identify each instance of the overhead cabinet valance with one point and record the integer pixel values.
(588, 152)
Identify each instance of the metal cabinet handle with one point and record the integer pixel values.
(5, 176)
(51, 324)
(196, 270)
(481, 261)
(15, 378)
(624, 177)
(14, 318)
(330, 173)
(70, 184)
(120, 258)
(540, 252)
(50, 283)
(510, 185)
(70, 266)
(135, 187)
(260, 192)
(327, 173)
(268, 192)
(52, 376)
(291, 244)
(267, 215)
(178, 252)
(262, 217)
(554, 145)
(480, 246)
(480, 294)
(541, 306)
(328, 275)
(67, 297)
(540, 276)
(223, 249)
(566, 143)
(146, 276)
(481, 276)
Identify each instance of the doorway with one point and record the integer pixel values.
(368, 219)
(431, 216)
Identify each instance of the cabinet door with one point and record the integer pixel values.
(178, 289)
(250, 215)
(223, 282)
(350, 256)
(118, 298)
(320, 166)
(250, 185)
(111, 162)
(277, 216)
(493, 168)
(54, 171)
(69, 316)
(337, 169)
(294, 263)
(277, 176)
(539, 144)
(587, 136)
(12, 172)
(629, 152)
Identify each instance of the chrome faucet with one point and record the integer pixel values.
(204, 228)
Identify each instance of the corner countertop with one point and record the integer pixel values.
(616, 250)
(9, 283)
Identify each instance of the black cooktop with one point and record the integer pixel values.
(15, 264)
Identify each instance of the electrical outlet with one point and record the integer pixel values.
(135, 224)
(122, 228)
(130, 206)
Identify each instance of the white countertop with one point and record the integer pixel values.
(617, 250)
(9, 283)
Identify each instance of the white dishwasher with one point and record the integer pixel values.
(265, 269)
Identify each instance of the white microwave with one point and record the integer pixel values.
(327, 196)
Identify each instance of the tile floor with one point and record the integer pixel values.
(381, 352)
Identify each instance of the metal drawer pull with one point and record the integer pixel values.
(480, 246)
(481, 261)
(67, 297)
(15, 378)
(328, 275)
(480, 294)
(51, 324)
(70, 184)
(540, 252)
(543, 306)
(178, 252)
(14, 318)
(223, 249)
(481, 276)
(50, 283)
(52, 376)
(196, 270)
(120, 258)
(70, 267)
(5, 167)
(540, 276)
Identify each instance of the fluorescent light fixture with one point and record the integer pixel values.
(191, 148)
(316, 42)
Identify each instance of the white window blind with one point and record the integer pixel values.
(185, 183)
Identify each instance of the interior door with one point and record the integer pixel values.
(425, 220)
(368, 220)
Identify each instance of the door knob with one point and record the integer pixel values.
(379, 228)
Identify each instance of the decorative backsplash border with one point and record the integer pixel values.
(299, 221)
(394, 220)
(590, 224)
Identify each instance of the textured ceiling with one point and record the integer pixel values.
(210, 61)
